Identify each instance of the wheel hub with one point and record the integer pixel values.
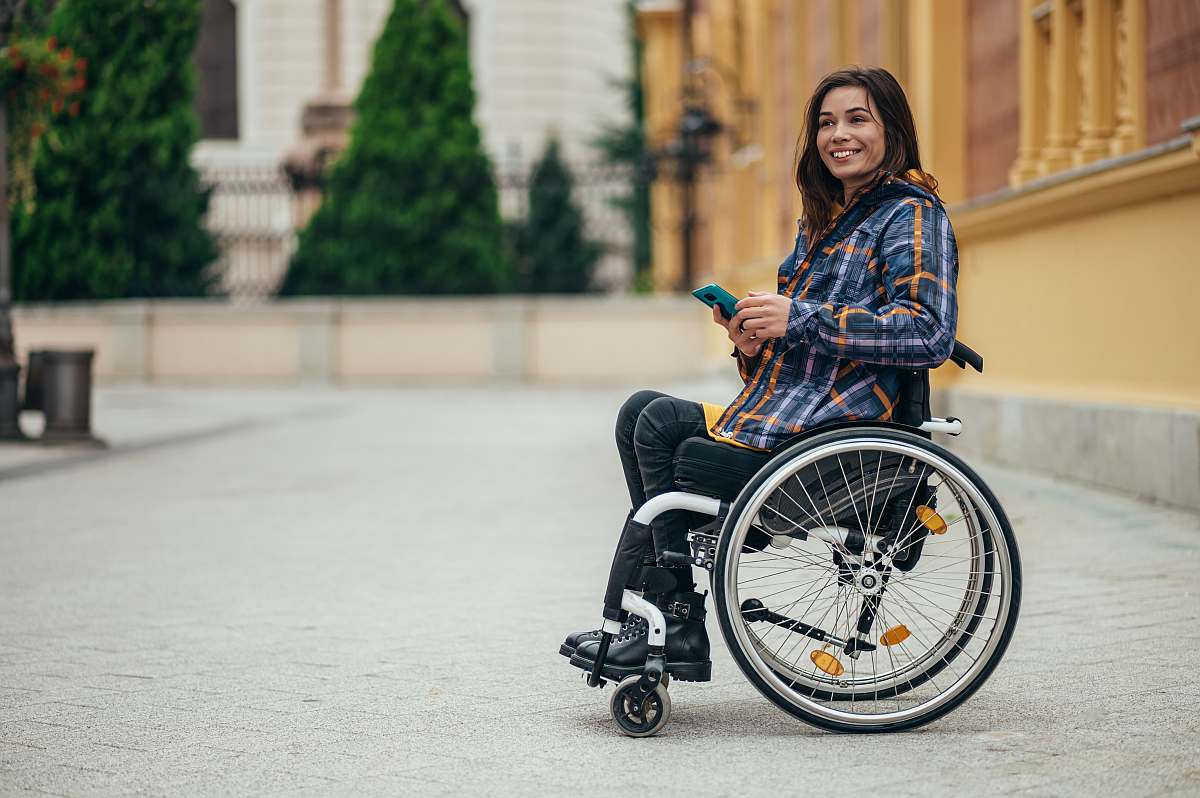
(868, 581)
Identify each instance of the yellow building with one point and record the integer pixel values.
(1066, 138)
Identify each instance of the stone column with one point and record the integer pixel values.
(1032, 98)
(1096, 124)
(324, 123)
(1130, 110)
(1064, 89)
(937, 90)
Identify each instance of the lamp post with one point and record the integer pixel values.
(9, 11)
(9, 408)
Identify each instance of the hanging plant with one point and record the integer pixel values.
(38, 81)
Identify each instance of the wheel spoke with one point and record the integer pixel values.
(950, 606)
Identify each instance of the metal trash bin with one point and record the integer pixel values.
(66, 384)
(32, 399)
(9, 407)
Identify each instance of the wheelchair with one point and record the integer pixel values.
(865, 579)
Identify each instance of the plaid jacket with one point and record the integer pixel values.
(875, 296)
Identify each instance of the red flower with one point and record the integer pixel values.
(36, 130)
(51, 43)
(73, 109)
(66, 54)
(57, 106)
(81, 65)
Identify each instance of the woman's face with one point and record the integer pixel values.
(849, 138)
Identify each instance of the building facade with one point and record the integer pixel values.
(540, 68)
(1065, 135)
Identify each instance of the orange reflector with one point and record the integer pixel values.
(932, 521)
(827, 662)
(894, 636)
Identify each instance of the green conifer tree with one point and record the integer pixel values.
(554, 255)
(119, 209)
(411, 206)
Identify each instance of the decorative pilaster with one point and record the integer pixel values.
(937, 90)
(1130, 105)
(1063, 129)
(1098, 67)
(895, 34)
(1032, 99)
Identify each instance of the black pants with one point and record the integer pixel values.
(649, 427)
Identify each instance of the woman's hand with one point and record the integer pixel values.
(744, 340)
(763, 315)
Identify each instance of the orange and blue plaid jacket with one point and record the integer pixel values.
(874, 296)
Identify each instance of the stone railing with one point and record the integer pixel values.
(555, 339)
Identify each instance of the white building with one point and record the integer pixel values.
(540, 67)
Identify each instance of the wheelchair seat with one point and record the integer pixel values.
(715, 469)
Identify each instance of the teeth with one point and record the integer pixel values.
(844, 153)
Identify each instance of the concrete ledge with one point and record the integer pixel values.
(1152, 453)
(593, 339)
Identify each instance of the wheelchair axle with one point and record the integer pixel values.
(755, 610)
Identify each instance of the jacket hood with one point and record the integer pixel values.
(912, 183)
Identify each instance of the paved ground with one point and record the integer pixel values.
(362, 592)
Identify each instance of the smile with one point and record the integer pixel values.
(841, 155)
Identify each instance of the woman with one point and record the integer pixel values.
(868, 291)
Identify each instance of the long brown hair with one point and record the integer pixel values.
(819, 189)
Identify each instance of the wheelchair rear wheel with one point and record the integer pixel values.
(867, 580)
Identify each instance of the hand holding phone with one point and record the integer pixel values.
(725, 304)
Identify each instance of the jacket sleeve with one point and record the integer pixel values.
(916, 326)
(746, 365)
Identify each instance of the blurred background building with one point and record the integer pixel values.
(275, 80)
(1066, 138)
(1065, 135)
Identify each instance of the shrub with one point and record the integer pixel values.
(411, 206)
(119, 209)
(553, 255)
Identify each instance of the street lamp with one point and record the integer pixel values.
(9, 429)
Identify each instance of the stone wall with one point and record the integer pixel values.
(584, 339)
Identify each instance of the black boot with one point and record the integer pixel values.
(687, 643)
(573, 640)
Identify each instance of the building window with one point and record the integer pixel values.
(216, 71)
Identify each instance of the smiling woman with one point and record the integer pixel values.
(866, 296)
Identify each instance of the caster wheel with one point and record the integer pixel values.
(644, 720)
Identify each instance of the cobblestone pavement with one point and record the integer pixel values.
(329, 592)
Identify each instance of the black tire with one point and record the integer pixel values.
(991, 541)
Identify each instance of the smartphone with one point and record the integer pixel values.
(713, 294)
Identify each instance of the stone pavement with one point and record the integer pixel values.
(362, 592)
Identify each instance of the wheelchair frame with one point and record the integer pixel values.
(641, 705)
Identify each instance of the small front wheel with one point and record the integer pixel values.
(639, 718)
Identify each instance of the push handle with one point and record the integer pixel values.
(963, 356)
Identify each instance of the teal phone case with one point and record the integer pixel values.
(713, 294)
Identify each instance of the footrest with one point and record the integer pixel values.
(682, 671)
